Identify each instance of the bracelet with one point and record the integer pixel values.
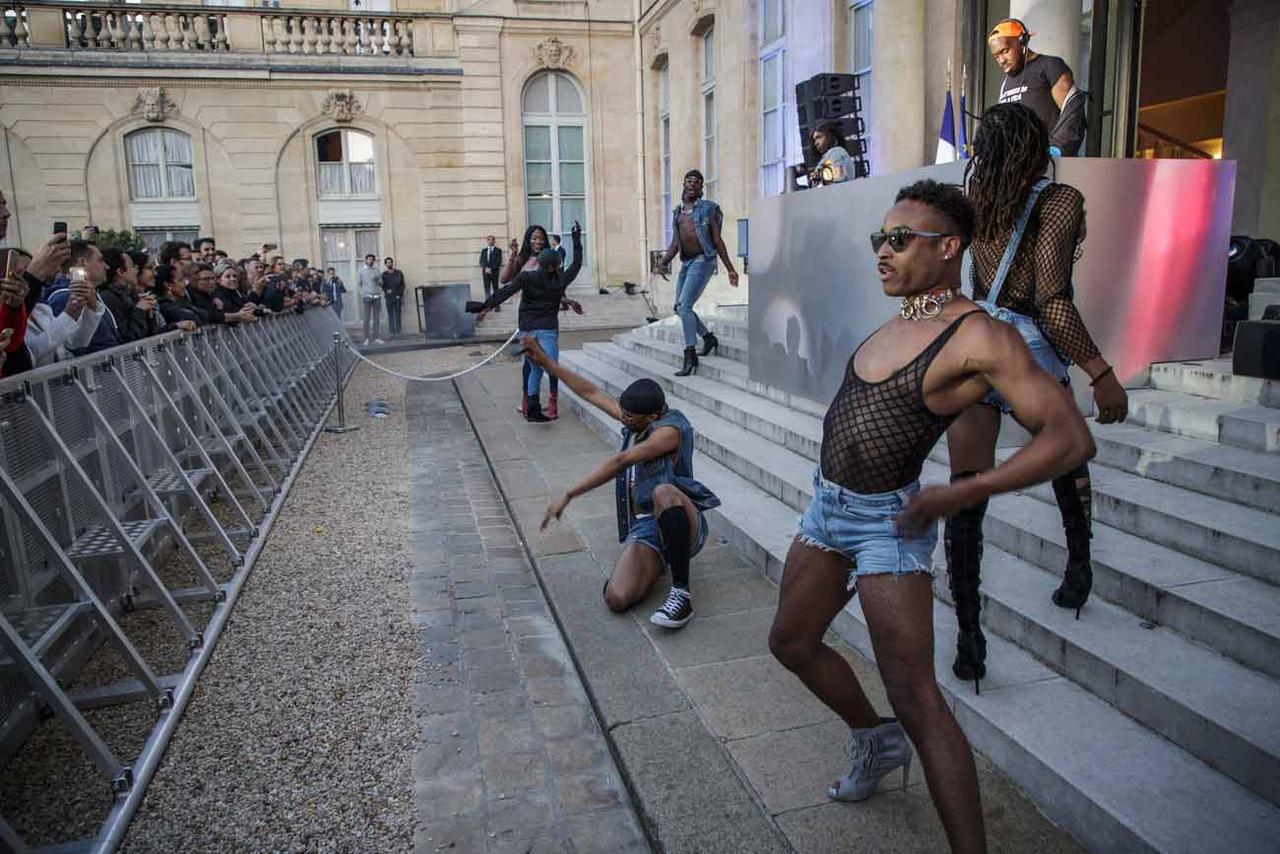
(1093, 382)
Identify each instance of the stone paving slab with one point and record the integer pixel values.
(510, 756)
(724, 749)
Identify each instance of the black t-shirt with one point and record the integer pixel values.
(1033, 87)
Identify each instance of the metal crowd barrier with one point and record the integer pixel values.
(114, 466)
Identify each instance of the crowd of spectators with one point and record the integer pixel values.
(69, 297)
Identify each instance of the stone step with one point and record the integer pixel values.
(1115, 784)
(1213, 378)
(653, 344)
(1156, 676)
(665, 346)
(1242, 425)
(1245, 539)
(1243, 752)
(778, 422)
(730, 348)
(1234, 474)
(1236, 615)
(1251, 478)
(732, 311)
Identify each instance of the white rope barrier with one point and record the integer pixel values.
(434, 379)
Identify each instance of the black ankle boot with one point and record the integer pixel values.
(1076, 504)
(963, 541)
(710, 344)
(535, 414)
(690, 362)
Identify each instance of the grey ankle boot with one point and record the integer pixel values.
(875, 752)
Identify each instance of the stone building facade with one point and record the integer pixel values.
(327, 131)
(420, 128)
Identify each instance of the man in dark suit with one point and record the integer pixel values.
(490, 264)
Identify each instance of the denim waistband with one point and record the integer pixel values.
(901, 494)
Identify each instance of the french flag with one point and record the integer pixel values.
(947, 135)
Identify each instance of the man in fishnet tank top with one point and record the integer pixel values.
(871, 529)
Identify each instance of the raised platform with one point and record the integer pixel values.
(1150, 723)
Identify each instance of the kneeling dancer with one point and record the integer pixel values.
(660, 505)
(871, 524)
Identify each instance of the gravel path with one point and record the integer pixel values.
(300, 735)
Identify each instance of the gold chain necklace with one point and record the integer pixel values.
(927, 305)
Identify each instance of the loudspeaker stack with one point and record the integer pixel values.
(833, 98)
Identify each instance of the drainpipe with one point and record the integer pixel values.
(642, 204)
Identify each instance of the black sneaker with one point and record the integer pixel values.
(676, 611)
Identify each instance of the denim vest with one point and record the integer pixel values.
(704, 213)
(675, 468)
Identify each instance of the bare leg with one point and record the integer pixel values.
(813, 592)
(971, 439)
(899, 611)
(638, 567)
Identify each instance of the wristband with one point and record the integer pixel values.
(1093, 382)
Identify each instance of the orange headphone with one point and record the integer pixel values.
(1011, 28)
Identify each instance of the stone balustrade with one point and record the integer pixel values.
(151, 28)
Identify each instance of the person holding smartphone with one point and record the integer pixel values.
(50, 337)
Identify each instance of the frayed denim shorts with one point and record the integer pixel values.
(1041, 350)
(863, 529)
(644, 530)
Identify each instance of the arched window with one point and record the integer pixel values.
(345, 164)
(160, 164)
(555, 168)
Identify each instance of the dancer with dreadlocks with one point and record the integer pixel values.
(1028, 232)
(871, 529)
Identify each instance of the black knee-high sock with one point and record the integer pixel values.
(673, 528)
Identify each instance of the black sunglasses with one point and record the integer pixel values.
(899, 237)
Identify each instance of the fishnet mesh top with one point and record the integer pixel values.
(875, 436)
(1039, 280)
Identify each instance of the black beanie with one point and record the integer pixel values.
(643, 397)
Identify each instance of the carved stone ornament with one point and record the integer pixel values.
(340, 105)
(553, 53)
(655, 39)
(154, 104)
(702, 8)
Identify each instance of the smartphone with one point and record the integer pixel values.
(59, 228)
(270, 246)
(7, 262)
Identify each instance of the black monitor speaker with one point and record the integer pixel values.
(1257, 349)
(823, 85)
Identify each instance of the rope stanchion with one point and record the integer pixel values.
(434, 379)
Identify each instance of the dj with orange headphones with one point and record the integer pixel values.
(1040, 82)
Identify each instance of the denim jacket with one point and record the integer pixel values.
(705, 212)
(675, 468)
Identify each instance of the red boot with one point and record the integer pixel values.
(553, 406)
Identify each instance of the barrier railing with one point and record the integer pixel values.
(143, 477)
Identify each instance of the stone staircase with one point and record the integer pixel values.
(1152, 723)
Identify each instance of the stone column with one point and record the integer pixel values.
(898, 84)
(1251, 126)
(1055, 25)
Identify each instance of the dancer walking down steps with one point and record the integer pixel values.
(871, 529)
(1028, 233)
(542, 295)
(660, 505)
(695, 234)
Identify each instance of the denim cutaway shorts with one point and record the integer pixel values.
(644, 530)
(863, 529)
(1041, 350)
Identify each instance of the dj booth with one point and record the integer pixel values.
(1150, 282)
